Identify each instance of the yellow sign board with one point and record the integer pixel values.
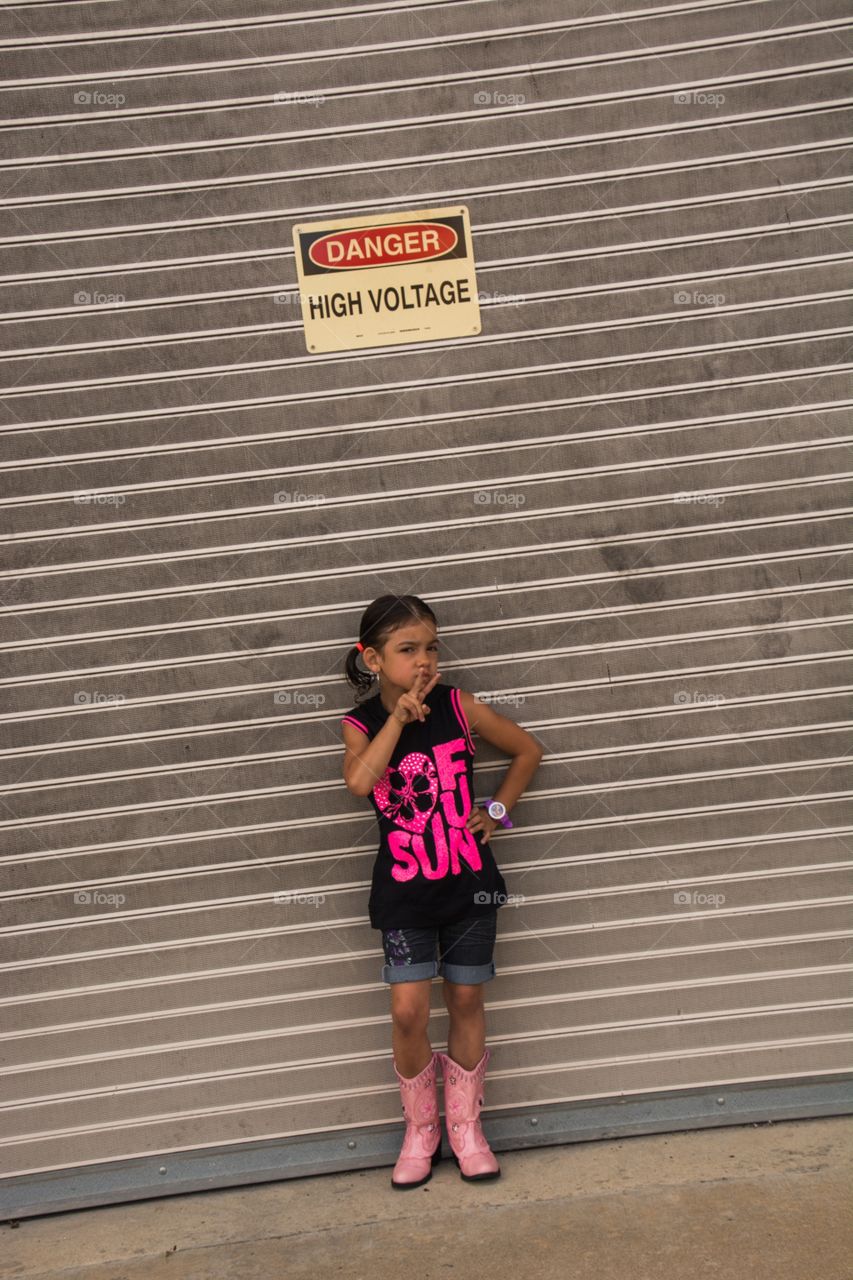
(382, 280)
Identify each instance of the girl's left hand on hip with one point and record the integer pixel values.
(479, 820)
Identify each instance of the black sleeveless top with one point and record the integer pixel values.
(430, 869)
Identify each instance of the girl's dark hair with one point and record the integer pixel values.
(385, 615)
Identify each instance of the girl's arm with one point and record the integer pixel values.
(365, 762)
(509, 738)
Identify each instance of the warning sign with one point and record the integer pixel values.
(376, 281)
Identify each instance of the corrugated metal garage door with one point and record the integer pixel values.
(196, 513)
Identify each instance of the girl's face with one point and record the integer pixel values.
(407, 652)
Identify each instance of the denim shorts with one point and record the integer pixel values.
(465, 951)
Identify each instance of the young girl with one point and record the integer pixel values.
(409, 748)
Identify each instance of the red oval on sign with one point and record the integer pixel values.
(382, 246)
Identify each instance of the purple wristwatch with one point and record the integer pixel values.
(496, 810)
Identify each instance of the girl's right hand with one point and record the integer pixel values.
(410, 705)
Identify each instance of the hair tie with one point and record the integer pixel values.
(359, 646)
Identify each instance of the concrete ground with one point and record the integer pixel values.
(754, 1202)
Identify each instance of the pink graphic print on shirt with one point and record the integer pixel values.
(422, 795)
(407, 793)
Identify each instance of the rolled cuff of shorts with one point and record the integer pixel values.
(410, 972)
(470, 974)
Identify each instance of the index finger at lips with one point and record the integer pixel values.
(425, 689)
(421, 688)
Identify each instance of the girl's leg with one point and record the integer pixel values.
(467, 963)
(410, 1017)
(466, 1037)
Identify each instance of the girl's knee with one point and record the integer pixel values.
(463, 998)
(409, 1009)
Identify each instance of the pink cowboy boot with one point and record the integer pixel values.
(421, 1148)
(463, 1098)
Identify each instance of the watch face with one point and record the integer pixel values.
(497, 810)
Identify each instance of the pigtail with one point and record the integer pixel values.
(360, 679)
